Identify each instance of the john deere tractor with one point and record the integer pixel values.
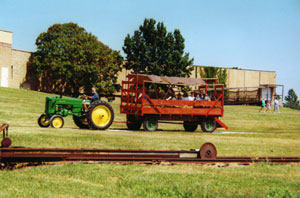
(97, 115)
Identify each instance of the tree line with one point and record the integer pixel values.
(70, 60)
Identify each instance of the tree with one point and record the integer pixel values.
(69, 58)
(214, 72)
(292, 100)
(153, 50)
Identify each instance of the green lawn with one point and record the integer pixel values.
(259, 135)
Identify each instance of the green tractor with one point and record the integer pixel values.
(98, 115)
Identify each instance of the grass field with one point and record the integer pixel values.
(257, 134)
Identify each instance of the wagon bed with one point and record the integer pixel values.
(140, 108)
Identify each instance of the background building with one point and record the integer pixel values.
(246, 86)
(13, 62)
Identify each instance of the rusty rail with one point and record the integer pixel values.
(207, 154)
(21, 155)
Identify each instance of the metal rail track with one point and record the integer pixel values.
(207, 154)
(21, 155)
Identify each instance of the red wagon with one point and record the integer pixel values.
(141, 108)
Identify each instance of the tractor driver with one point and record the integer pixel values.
(93, 97)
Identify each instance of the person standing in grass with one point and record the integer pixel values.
(263, 105)
(269, 108)
(276, 106)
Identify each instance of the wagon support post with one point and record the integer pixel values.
(221, 123)
(143, 96)
(215, 91)
(223, 94)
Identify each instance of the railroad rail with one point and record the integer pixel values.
(10, 156)
(207, 154)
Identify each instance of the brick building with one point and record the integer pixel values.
(13, 62)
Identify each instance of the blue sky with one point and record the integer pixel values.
(249, 34)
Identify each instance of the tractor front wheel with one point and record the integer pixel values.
(56, 121)
(43, 121)
(100, 115)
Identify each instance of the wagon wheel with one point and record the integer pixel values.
(208, 151)
(43, 121)
(56, 121)
(132, 123)
(190, 126)
(81, 122)
(100, 115)
(150, 124)
(209, 125)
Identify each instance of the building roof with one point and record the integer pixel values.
(21, 50)
(6, 31)
(232, 68)
(260, 86)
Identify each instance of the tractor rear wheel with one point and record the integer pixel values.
(209, 125)
(100, 115)
(43, 121)
(57, 121)
(190, 126)
(81, 122)
(150, 123)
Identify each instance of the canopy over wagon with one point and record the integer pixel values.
(170, 80)
(146, 99)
